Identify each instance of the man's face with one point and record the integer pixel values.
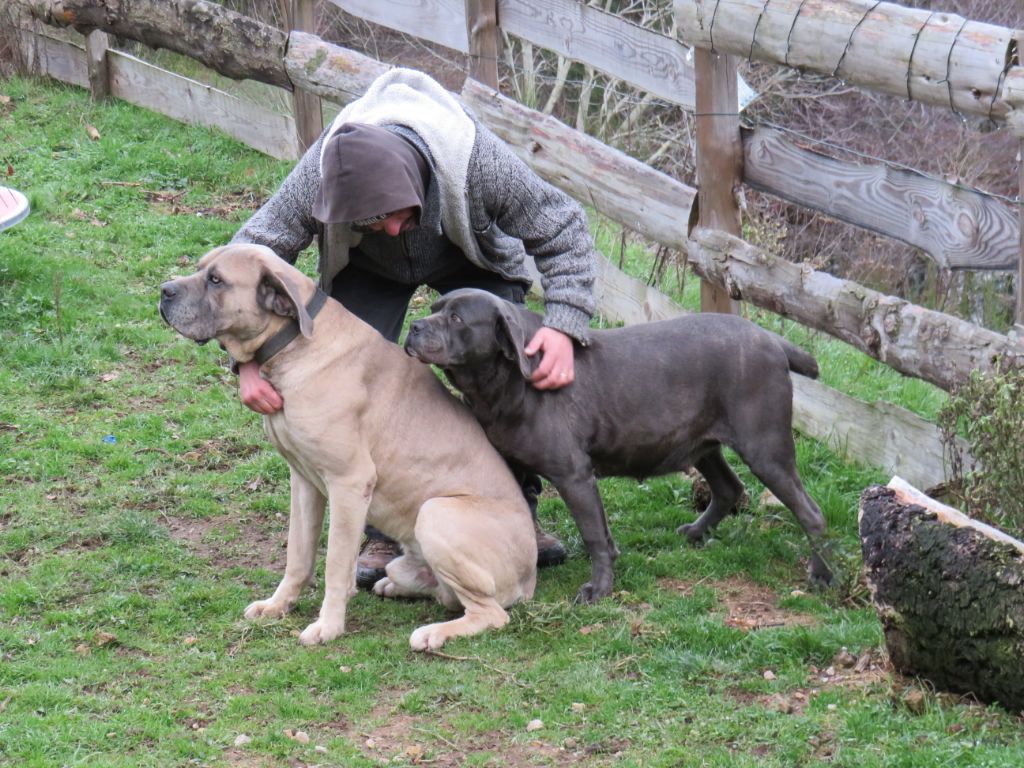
(395, 222)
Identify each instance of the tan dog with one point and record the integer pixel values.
(374, 435)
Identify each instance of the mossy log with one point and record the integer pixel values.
(949, 592)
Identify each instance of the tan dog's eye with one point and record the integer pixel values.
(456, 318)
(212, 278)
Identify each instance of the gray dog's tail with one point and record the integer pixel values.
(799, 361)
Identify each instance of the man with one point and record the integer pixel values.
(404, 189)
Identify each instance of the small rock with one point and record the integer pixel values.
(534, 725)
(571, 743)
(845, 659)
(577, 707)
(781, 704)
(413, 752)
(345, 669)
(914, 700)
(300, 736)
(370, 743)
(769, 675)
(320, 748)
(242, 739)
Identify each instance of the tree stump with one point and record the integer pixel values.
(949, 592)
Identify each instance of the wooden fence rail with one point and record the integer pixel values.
(928, 56)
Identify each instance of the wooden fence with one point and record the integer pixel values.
(933, 57)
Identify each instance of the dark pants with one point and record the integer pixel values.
(384, 303)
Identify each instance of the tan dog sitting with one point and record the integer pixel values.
(374, 435)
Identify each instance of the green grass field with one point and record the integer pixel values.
(141, 510)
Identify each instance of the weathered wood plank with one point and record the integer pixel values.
(440, 21)
(333, 72)
(932, 57)
(192, 102)
(484, 40)
(956, 227)
(647, 59)
(1019, 305)
(96, 45)
(54, 58)
(1013, 95)
(306, 108)
(916, 341)
(719, 159)
(618, 186)
(874, 434)
(895, 439)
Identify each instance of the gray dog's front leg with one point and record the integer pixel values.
(584, 501)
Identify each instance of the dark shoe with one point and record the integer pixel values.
(549, 549)
(375, 554)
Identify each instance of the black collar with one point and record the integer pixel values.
(287, 334)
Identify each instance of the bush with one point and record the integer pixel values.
(987, 411)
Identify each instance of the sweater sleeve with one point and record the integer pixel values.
(503, 190)
(285, 222)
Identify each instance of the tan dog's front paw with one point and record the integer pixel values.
(321, 631)
(269, 609)
(428, 638)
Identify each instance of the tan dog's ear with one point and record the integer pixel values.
(512, 338)
(278, 294)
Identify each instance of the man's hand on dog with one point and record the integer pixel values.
(257, 393)
(556, 366)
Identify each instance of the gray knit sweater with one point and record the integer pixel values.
(512, 211)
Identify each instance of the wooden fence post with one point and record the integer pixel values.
(309, 119)
(719, 158)
(482, 26)
(96, 44)
(1019, 314)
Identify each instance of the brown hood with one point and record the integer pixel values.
(369, 171)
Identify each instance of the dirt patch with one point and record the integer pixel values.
(390, 736)
(232, 541)
(170, 202)
(869, 669)
(748, 606)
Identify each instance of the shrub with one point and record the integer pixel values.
(987, 411)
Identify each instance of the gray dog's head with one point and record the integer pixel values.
(239, 295)
(469, 328)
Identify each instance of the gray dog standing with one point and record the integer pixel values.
(374, 437)
(647, 400)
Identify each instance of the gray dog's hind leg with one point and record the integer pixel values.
(776, 468)
(581, 495)
(726, 490)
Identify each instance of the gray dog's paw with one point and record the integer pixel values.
(693, 532)
(589, 594)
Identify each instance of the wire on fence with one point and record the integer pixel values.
(849, 41)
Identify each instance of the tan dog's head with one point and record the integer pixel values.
(239, 295)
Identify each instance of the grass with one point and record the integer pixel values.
(141, 509)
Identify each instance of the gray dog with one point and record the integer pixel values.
(647, 400)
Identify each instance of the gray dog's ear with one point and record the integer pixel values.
(512, 339)
(278, 294)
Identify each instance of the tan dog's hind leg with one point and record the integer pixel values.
(482, 555)
(408, 576)
(348, 505)
(305, 523)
